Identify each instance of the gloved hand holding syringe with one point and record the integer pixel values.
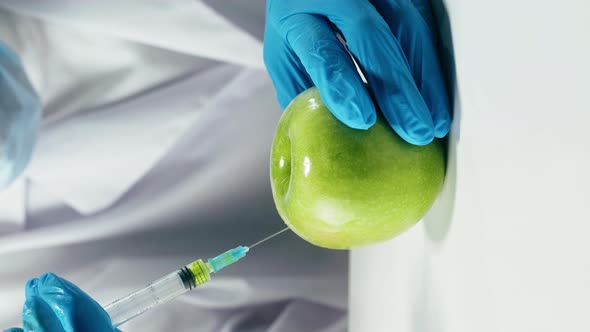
(175, 284)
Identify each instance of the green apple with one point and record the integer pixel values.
(340, 188)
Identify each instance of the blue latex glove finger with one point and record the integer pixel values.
(423, 7)
(303, 48)
(331, 69)
(14, 329)
(286, 71)
(54, 304)
(408, 22)
(20, 117)
(380, 56)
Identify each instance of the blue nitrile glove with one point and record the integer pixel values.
(20, 117)
(393, 44)
(56, 305)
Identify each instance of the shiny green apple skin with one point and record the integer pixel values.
(340, 188)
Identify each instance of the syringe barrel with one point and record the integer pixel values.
(158, 292)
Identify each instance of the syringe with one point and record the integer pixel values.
(174, 284)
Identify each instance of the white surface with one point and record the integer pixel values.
(506, 249)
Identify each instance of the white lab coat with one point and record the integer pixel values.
(154, 151)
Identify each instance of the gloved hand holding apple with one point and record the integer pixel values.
(369, 164)
(339, 187)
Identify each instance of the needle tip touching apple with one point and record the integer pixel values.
(340, 188)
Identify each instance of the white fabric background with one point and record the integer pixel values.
(154, 152)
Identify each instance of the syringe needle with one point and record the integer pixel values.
(175, 283)
(268, 238)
